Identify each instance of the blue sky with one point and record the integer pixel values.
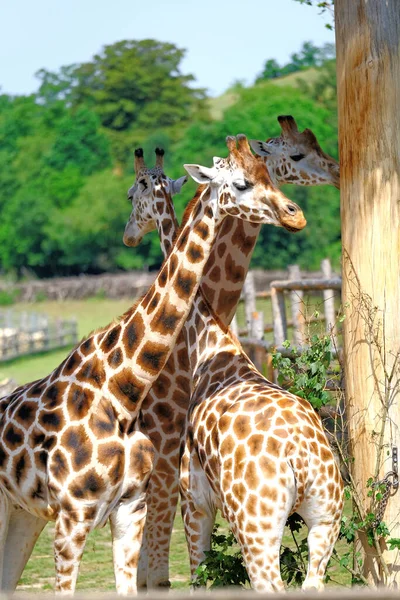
(226, 40)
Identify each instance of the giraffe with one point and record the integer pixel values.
(71, 445)
(291, 465)
(292, 158)
(222, 282)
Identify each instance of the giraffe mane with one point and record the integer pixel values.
(191, 205)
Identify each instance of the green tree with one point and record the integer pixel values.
(308, 56)
(255, 114)
(271, 70)
(86, 235)
(79, 143)
(129, 84)
(322, 89)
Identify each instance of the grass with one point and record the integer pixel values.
(97, 570)
(90, 315)
(221, 103)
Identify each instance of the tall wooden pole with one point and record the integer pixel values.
(368, 68)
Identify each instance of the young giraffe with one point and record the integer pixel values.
(70, 446)
(223, 379)
(222, 283)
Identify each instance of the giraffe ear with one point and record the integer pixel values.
(260, 148)
(201, 174)
(177, 184)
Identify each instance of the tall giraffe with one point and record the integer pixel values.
(164, 409)
(278, 435)
(71, 449)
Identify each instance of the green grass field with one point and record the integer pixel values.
(94, 313)
(96, 573)
(96, 570)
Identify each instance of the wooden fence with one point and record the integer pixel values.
(26, 333)
(286, 296)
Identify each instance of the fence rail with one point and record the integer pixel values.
(22, 334)
(287, 298)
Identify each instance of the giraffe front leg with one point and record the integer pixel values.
(23, 532)
(162, 500)
(127, 523)
(69, 542)
(198, 510)
(143, 564)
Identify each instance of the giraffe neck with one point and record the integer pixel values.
(204, 337)
(226, 269)
(150, 329)
(166, 221)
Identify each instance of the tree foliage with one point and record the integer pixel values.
(130, 83)
(66, 156)
(308, 56)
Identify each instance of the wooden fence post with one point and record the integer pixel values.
(278, 316)
(329, 302)
(249, 295)
(258, 354)
(297, 307)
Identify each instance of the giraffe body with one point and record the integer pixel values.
(165, 407)
(71, 448)
(256, 452)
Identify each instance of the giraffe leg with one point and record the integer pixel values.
(257, 509)
(261, 553)
(69, 542)
(5, 510)
(323, 530)
(23, 532)
(143, 564)
(198, 509)
(127, 523)
(162, 500)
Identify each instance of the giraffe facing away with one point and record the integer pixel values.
(282, 471)
(71, 449)
(222, 282)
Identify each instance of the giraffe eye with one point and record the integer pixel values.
(297, 157)
(241, 185)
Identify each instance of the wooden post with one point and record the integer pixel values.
(296, 302)
(249, 294)
(368, 69)
(329, 301)
(234, 326)
(278, 316)
(75, 333)
(257, 333)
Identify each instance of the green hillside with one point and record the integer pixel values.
(66, 155)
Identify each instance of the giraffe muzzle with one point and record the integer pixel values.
(292, 218)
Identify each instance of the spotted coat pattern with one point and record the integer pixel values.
(165, 407)
(71, 448)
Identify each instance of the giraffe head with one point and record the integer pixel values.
(244, 188)
(150, 184)
(296, 157)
